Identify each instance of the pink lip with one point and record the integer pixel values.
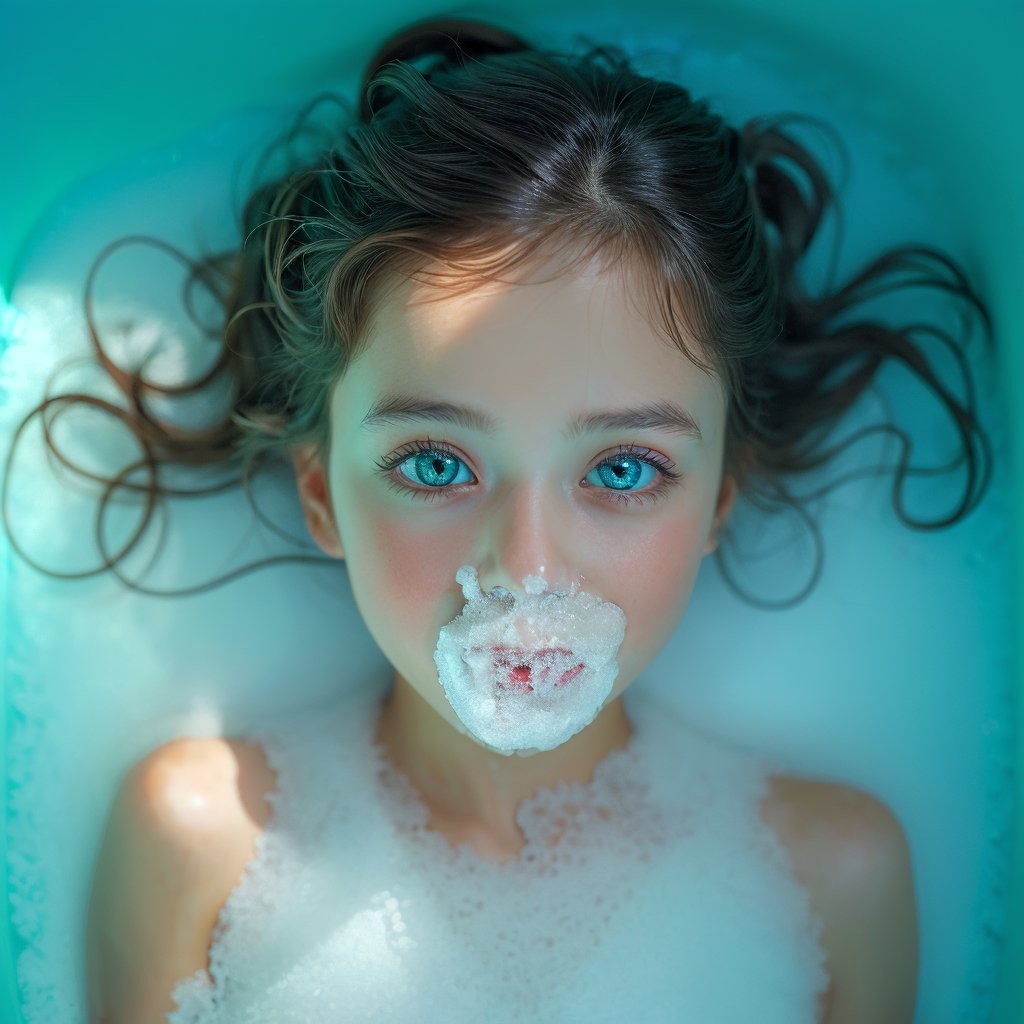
(517, 661)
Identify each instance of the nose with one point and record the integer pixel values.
(529, 535)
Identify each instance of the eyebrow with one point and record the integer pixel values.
(400, 408)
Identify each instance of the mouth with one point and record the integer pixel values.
(518, 668)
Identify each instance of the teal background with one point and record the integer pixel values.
(87, 85)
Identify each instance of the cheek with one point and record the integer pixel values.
(652, 578)
(404, 574)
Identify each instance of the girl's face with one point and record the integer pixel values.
(519, 482)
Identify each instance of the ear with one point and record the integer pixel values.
(315, 496)
(723, 509)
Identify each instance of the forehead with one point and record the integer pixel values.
(545, 343)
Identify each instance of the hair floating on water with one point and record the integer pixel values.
(493, 141)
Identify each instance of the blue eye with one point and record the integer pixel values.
(435, 465)
(623, 471)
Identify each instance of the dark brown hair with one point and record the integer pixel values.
(489, 142)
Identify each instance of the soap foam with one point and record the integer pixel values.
(636, 895)
(525, 674)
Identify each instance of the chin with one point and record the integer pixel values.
(518, 752)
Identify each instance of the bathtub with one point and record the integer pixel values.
(113, 127)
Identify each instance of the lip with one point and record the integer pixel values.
(519, 663)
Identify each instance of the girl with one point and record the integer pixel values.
(525, 330)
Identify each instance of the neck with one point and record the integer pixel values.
(471, 788)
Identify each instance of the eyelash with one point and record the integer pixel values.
(388, 466)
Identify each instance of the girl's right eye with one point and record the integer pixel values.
(432, 463)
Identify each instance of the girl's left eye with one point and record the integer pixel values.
(435, 464)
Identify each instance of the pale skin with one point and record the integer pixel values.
(530, 355)
(526, 499)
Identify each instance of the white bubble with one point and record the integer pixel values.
(525, 674)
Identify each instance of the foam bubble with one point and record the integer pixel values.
(525, 674)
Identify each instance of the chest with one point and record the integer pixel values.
(610, 899)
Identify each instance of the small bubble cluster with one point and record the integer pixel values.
(525, 674)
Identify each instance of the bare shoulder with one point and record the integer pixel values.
(205, 800)
(200, 786)
(207, 797)
(851, 854)
(180, 831)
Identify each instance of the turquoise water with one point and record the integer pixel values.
(87, 116)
